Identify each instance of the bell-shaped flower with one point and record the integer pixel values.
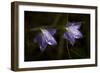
(45, 37)
(72, 32)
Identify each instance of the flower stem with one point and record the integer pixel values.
(56, 19)
(53, 25)
(76, 53)
(68, 51)
(67, 42)
(60, 47)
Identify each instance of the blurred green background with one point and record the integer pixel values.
(63, 49)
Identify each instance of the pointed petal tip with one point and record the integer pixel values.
(68, 36)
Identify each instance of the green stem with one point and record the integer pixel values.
(38, 28)
(68, 51)
(60, 48)
(53, 25)
(56, 19)
(67, 18)
(76, 53)
(67, 42)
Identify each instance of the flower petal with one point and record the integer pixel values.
(69, 36)
(74, 25)
(48, 37)
(74, 30)
(51, 31)
(41, 41)
(76, 33)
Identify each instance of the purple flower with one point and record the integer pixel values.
(45, 37)
(72, 32)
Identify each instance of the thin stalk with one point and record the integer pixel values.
(76, 53)
(67, 42)
(53, 25)
(68, 51)
(56, 20)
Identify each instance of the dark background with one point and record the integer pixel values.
(33, 20)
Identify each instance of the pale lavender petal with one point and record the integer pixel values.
(41, 41)
(74, 25)
(45, 37)
(51, 31)
(73, 32)
(48, 37)
(69, 37)
(76, 33)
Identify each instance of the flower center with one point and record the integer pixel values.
(67, 29)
